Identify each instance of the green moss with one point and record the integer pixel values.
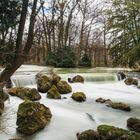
(79, 96)
(111, 132)
(53, 93)
(32, 116)
(64, 87)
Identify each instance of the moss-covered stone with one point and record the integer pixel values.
(78, 78)
(131, 81)
(113, 133)
(55, 78)
(32, 116)
(134, 124)
(79, 96)
(53, 93)
(25, 93)
(88, 135)
(43, 83)
(119, 105)
(63, 87)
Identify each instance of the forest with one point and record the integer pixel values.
(54, 46)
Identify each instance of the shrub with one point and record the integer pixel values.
(62, 57)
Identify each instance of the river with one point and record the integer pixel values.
(68, 116)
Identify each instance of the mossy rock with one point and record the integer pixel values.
(131, 81)
(43, 83)
(79, 96)
(55, 78)
(78, 78)
(32, 116)
(113, 133)
(53, 93)
(63, 87)
(120, 106)
(25, 93)
(88, 135)
(1, 106)
(134, 124)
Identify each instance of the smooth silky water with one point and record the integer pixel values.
(68, 116)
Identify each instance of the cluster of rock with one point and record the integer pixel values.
(115, 105)
(53, 86)
(106, 132)
(32, 116)
(25, 93)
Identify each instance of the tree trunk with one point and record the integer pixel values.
(20, 53)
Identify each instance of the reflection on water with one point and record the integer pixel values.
(70, 117)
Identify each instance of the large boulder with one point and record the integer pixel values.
(79, 96)
(53, 93)
(119, 105)
(32, 116)
(113, 133)
(43, 83)
(63, 87)
(131, 81)
(78, 78)
(88, 135)
(25, 93)
(134, 124)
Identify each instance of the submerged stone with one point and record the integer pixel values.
(53, 93)
(131, 81)
(63, 87)
(32, 116)
(101, 100)
(79, 96)
(88, 135)
(134, 124)
(25, 93)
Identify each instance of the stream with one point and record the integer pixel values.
(70, 117)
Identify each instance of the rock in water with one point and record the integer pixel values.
(119, 105)
(107, 132)
(134, 124)
(63, 87)
(25, 93)
(131, 81)
(88, 135)
(32, 116)
(43, 83)
(79, 96)
(78, 78)
(53, 93)
(17, 139)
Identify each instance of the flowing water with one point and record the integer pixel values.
(70, 117)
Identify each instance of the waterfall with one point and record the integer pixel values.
(23, 80)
